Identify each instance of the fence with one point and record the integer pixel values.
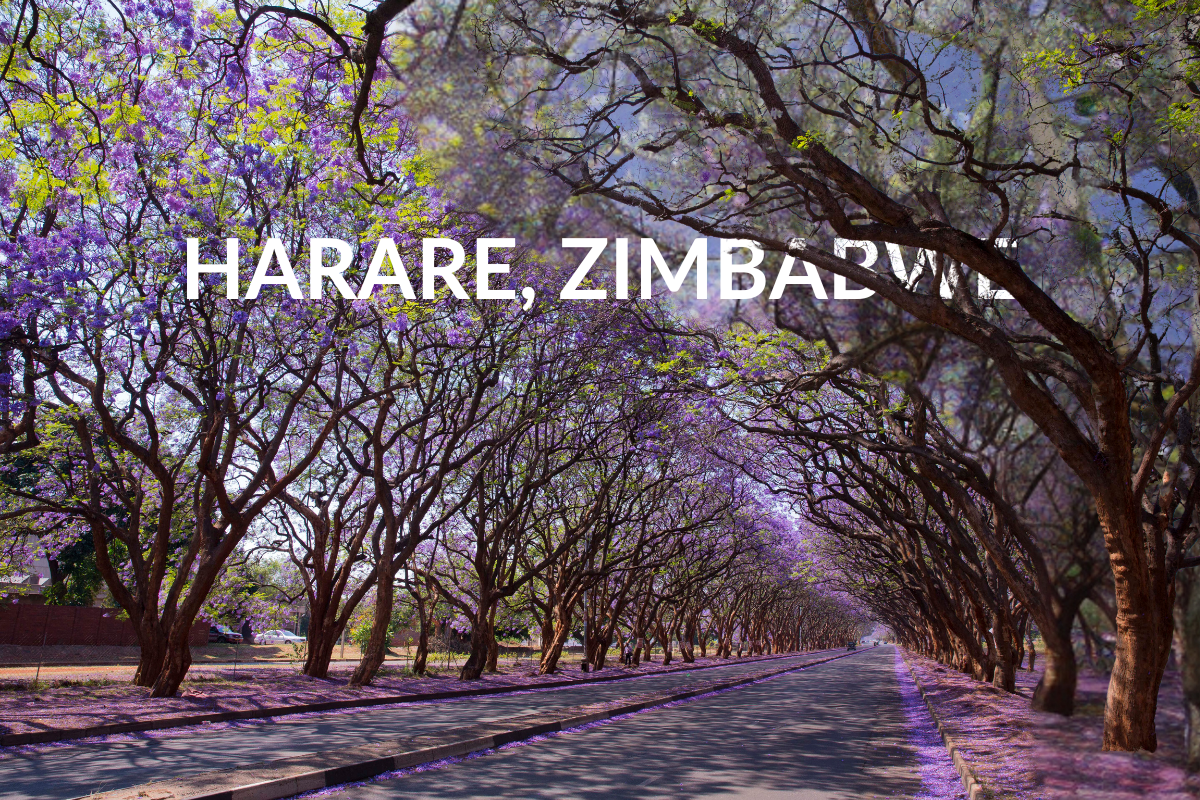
(29, 624)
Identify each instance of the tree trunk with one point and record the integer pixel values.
(559, 627)
(421, 657)
(1005, 671)
(377, 643)
(177, 660)
(1187, 638)
(1143, 643)
(320, 651)
(1005, 675)
(685, 642)
(480, 643)
(152, 652)
(600, 656)
(323, 634)
(1055, 692)
(547, 630)
(493, 655)
(553, 651)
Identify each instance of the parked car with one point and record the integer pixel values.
(223, 634)
(278, 637)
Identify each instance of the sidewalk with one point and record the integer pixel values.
(78, 711)
(1016, 752)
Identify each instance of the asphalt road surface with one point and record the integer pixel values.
(832, 731)
(74, 770)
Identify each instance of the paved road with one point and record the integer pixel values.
(833, 731)
(73, 770)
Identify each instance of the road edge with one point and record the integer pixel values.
(971, 783)
(296, 775)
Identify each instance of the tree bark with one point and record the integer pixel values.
(1055, 692)
(493, 655)
(1187, 623)
(553, 651)
(685, 634)
(664, 639)
(480, 644)
(177, 660)
(377, 643)
(152, 652)
(1144, 634)
(421, 657)
(320, 651)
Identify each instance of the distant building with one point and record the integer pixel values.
(28, 588)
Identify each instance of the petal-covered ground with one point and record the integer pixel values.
(1021, 753)
(934, 764)
(84, 704)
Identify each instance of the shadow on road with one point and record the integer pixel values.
(833, 731)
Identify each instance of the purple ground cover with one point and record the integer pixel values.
(1026, 755)
(938, 776)
(68, 707)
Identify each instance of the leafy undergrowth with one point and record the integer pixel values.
(1021, 753)
(74, 705)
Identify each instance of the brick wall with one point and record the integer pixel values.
(28, 624)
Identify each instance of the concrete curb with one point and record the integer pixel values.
(970, 780)
(291, 776)
(138, 726)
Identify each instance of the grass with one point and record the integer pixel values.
(207, 678)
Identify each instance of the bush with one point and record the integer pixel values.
(360, 629)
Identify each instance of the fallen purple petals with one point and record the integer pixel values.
(1023, 754)
(938, 776)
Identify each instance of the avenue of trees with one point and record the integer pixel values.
(1016, 185)
(552, 468)
(1000, 434)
